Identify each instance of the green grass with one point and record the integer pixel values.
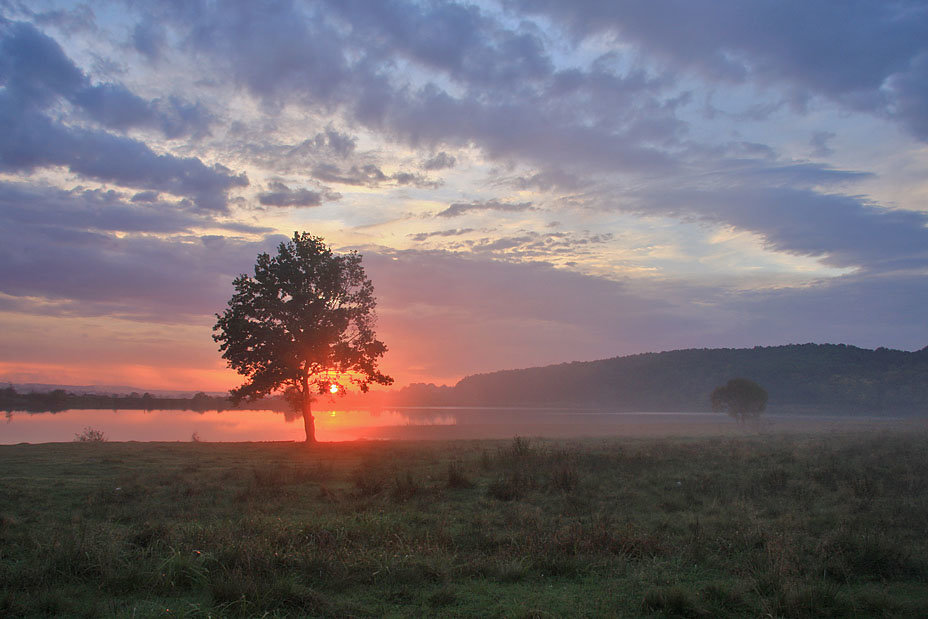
(764, 525)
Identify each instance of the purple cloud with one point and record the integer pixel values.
(281, 195)
(35, 73)
(459, 208)
(869, 56)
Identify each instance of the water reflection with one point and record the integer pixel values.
(266, 425)
(174, 425)
(394, 423)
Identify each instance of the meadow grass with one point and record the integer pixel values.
(753, 525)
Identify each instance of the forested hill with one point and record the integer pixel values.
(805, 378)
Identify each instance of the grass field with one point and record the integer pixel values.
(754, 525)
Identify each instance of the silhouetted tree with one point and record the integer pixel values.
(741, 398)
(303, 324)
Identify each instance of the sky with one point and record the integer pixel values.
(528, 181)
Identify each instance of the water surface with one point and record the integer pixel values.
(392, 423)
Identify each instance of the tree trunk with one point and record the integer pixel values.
(309, 423)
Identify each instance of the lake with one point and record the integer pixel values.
(394, 424)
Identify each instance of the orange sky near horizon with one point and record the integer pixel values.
(545, 184)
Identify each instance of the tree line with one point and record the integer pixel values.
(60, 400)
(800, 378)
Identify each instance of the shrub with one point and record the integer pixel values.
(90, 435)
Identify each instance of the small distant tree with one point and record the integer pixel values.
(741, 398)
(303, 324)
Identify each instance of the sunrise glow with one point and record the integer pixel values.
(379, 307)
(751, 183)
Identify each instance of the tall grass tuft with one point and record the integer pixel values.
(671, 602)
(404, 487)
(456, 477)
(564, 478)
(369, 480)
(511, 486)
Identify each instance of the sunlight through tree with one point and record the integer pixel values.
(304, 324)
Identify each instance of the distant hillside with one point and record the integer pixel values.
(805, 378)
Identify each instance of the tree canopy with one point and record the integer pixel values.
(741, 398)
(303, 324)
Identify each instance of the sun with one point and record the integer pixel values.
(333, 389)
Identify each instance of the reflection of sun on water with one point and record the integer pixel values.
(231, 425)
(345, 425)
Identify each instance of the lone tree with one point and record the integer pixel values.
(303, 324)
(741, 398)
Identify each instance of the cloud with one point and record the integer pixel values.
(331, 148)
(423, 236)
(134, 276)
(574, 125)
(561, 248)
(845, 231)
(542, 247)
(146, 196)
(416, 180)
(281, 195)
(35, 73)
(460, 208)
(819, 143)
(552, 136)
(114, 107)
(599, 119)
(35, 142)
(548, 180)
(871, 56)
(33, 68)
(368, 175)
(459, 40)
(334, 142)
(79, 19)
(275, 51)
(440, 161)
(908, 90)
(149, 39)
(806, 175)
(80, 210)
